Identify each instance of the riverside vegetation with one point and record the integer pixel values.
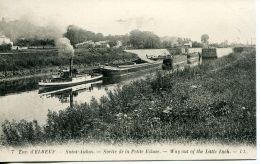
(213, 102)
(31, 62)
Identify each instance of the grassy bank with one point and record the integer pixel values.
(214, 102)
(26, 63)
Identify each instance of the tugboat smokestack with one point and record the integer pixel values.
(71, 63)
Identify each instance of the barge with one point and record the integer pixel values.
(109, 71)
(147, 59)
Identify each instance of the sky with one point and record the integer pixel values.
(232, 20)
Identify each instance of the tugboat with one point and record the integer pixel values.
(69, 77)
(63, 79)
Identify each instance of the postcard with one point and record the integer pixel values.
(110, 80)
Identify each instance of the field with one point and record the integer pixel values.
(214, 102)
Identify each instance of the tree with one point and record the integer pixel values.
(112, 43)
(35, 42)
(180, 41)
(71, 34)
(144, 39)
(166, 44)
(204, 40)
(5, 47)
(196, 44)
(99, 37)
(78, 35)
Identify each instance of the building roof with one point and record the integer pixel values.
(102, 42)
(145, 54)
(90, 42)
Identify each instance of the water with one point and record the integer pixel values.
(223, 51)
(220, 51)
(22, 99)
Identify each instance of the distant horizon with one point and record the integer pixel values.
(221, 20)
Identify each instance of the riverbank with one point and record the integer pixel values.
(38, 73)
(214, 102)
(21, 64)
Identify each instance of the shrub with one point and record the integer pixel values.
(199, 104)
(18, 133)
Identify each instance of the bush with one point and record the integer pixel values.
(18, 133)
(5, 47)
(197, 104)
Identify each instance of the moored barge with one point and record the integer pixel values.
(148, 59)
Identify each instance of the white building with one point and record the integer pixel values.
(89, 43)
(19, 48)
(5, 40)
(188, 44)
(102, 44)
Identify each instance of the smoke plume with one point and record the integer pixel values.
(64, 47)
(26, 28)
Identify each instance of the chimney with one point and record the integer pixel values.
(71, 63)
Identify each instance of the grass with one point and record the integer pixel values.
(213, 102)
(30, 62)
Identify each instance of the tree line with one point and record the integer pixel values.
(78, 35)
(136, 39)
(35, 42)
(25, 33)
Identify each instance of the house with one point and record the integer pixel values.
(86, 44)
(19, 48)
(187, 45)
(5, 40)
(102, 44)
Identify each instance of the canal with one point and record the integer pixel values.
(22, 99)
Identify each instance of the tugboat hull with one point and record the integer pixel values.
(74, 81)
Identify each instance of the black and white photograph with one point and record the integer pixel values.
(127, 80)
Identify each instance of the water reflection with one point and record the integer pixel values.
(66, 95)
(18, 86)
